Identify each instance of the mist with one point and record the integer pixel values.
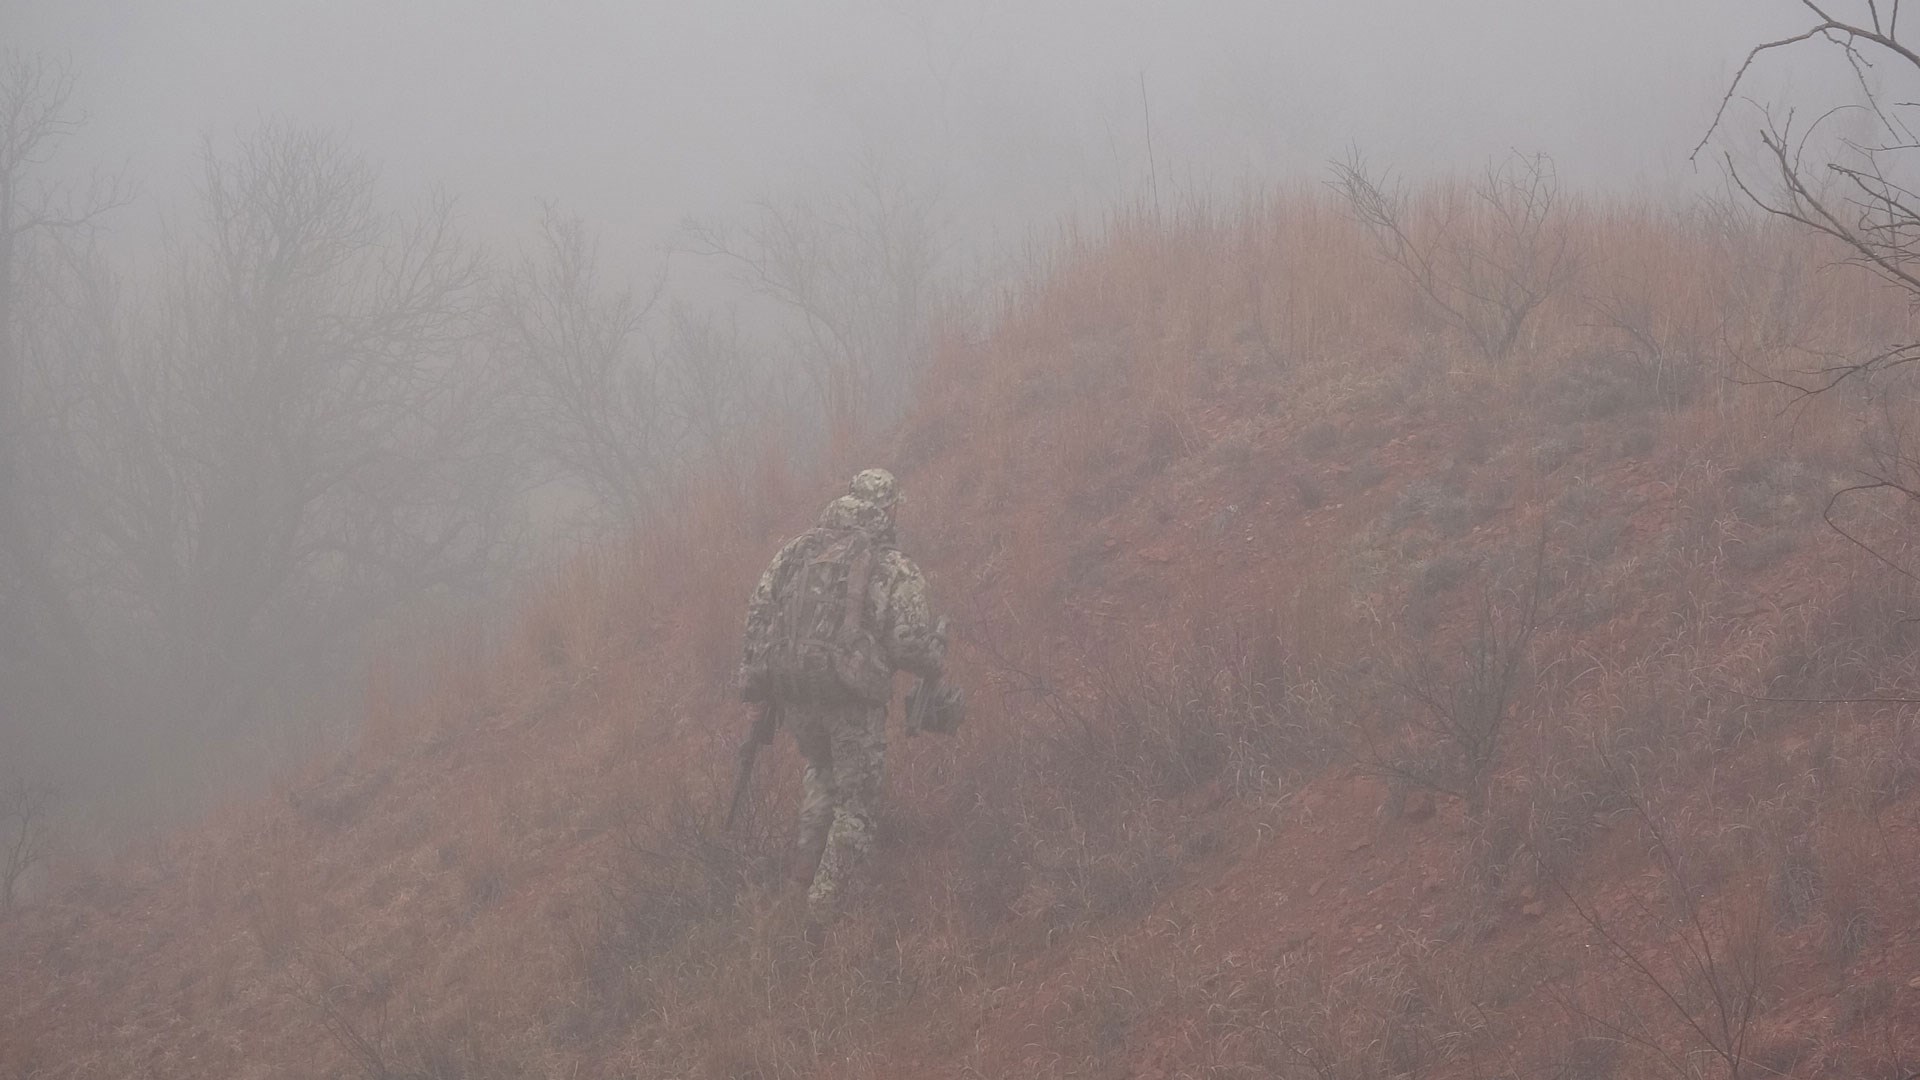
(1405, 539)
(691, 198)
(638, 115)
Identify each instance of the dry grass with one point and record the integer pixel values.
(1150, 494)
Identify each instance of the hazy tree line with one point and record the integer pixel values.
(318, 411)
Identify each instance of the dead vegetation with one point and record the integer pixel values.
(1263, 536)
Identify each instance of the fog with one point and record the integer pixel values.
(493, 178)
(635, 115)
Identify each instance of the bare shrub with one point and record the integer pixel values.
(1486, 259)
(1710, 965)
(1446, 722)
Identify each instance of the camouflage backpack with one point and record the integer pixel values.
(820, 646)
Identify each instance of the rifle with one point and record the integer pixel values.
(760, 735)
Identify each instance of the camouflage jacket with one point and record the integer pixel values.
(897, 608)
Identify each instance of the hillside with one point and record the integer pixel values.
(1345, 703)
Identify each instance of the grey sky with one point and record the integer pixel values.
(635, 114)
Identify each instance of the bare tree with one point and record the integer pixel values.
(858, 271)
(717, 390)
(26, 834)
(1848, 175)
(1485, 262)
(620, 399)
(36, 114)
(592, 391)
(295, 438)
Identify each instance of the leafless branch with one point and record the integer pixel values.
(1485, 266)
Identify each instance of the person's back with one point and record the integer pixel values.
(839, 610)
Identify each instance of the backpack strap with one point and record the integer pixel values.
(859, 580)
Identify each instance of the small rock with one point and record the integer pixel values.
(1314, 889)
(1528, 894)
(1359, 845)
(1417, 806)
(1535, 909)
(1914, 983)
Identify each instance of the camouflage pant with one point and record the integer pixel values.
(845, 748)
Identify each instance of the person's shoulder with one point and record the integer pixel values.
(807, 538)
(798, 547)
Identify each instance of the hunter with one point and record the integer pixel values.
(836, 614)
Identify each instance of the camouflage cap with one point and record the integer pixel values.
(875, 486)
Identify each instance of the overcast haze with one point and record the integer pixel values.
(636, 114)
(556, 408)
